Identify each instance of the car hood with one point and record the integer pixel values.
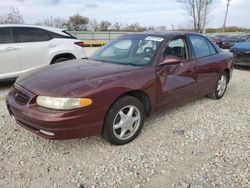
(241, 47)
(71, 77)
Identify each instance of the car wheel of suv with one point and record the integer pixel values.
(124, 121)
(61, 59)
(221, 87)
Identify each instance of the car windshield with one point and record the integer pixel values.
(138, 50)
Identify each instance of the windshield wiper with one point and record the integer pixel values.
(133, 64)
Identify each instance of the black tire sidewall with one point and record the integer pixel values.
(108, 133)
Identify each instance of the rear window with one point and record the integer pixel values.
(56, 35)
(23, 34)
(71, 36)
(5, 35)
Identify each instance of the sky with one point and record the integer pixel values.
(145, 12)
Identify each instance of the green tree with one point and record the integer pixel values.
(78, 23)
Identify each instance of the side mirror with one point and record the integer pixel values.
(171, 60)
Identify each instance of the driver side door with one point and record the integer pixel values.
(176, 83)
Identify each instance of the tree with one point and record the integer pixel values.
(78, 23)
(13, 17)
(150, 28)
(104, 25)
(53, 22)
(225, 20)
(133, 27)
(197, 9)
(93, 24)
(117, 26)
(162, 28)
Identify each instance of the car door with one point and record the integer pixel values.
(9, 55)
(206, 67)
(34, 45)
(176, 84)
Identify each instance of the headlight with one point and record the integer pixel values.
(62, 103)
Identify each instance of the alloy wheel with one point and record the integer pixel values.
(126, 122)
(221, 85)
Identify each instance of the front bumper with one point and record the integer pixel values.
(52, 124)
(242, 59)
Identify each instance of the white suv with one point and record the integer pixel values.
(26, 47)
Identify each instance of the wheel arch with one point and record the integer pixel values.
(66, 55)
(140, 95)
(143, 97)
(227, 71)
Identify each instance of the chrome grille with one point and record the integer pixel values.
(21, 97)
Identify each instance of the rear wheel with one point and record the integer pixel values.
(124, 121)
(221, 87)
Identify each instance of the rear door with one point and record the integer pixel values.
(9, 55)
(176, 83)
(207, 64)
(34, 45)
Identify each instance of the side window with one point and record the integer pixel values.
(211, 48)
(200, 45)
(56, 35)
(177, 47)
(5, 35)
(25, 34)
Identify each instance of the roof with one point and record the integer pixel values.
(34, 26)
(165, 33)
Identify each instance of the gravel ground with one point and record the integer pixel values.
(203, 144)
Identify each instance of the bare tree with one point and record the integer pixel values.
(225, 20)
(149, 28)
(197, 9)
(13, 17)
(133, 27)
(104, 25)
(161, 28)
(117, 26)
(53, 22)
(93, 24)
(207, 3)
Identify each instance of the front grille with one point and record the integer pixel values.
(21, 97)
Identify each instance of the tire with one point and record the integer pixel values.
(220, 88)
(124, 121)
(61, 59)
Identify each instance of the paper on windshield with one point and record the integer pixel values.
(157, 39)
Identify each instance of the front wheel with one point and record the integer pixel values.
(221, 87)
(124, 121)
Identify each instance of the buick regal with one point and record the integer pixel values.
(112, 92)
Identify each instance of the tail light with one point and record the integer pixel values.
(80, 43)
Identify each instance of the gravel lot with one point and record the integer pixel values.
(203, 144)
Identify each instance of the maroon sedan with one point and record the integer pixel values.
(111, 93)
